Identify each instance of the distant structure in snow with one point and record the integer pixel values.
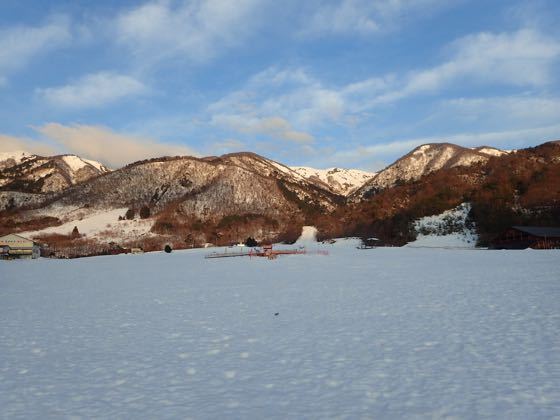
(266, 251)
(369, 243)
(14, 246)
(523, 237)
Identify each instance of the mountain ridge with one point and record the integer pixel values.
(423, 160)
(224, 199)
(28, 173)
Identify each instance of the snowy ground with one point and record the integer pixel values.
(380, 333)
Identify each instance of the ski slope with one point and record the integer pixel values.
(380, 333)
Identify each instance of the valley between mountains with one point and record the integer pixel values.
(190, 202)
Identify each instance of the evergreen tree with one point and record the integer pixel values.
(130, 214)
(250, 242)
(144, 212)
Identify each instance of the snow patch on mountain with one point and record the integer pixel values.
(8, 159)
(491, 151)
(74, 162)
(17, 155)
(340, 181)
(100, 167)
(102, 225)
(452, 228)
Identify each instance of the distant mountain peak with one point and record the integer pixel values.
(423, 160)
(25, 172)
(338, 180)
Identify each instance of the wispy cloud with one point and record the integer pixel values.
(275, 127)
(93, 90)
(521, 58)
(194, 30)
(111, 148)
(20, 44)
(275, 101)
(366, 17)
(524, 58)
(12, 144)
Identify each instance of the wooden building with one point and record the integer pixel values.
(14, 246)
(523, 237)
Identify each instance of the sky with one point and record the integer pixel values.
(348, 83)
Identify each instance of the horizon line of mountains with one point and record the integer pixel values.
(213, 199)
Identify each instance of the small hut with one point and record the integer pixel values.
(523, 237)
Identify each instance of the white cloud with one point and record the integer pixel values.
(275, 127)
(195, 30)
(20, 44)
(288, 94)
(525, 58)
(93, 90)
(521, 58)
(12, 144)
(104, 145)
(366, 17)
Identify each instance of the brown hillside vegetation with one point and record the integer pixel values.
(225, 200)
(519, 188)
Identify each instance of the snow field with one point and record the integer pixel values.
(380, 333)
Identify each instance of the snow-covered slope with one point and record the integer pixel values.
(36, 174)
(8, 159)
(338, 180)
(423, 160)
(109, 225)
(450, 229)
(491, 151)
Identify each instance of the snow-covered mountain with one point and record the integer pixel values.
(225, 199)
(208, 187)
(9, 159)
(338, 180)
(211, 193)
(28, 173)
(423, 160)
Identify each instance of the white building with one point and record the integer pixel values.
(16, 246)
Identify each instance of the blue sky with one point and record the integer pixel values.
(350, 83)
